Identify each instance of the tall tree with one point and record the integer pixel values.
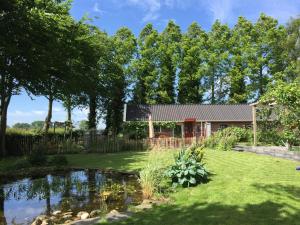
(193, 47)
(169, 54)
(217, 62)
(124, 47)
(145, 67)
(269, 53)
(241, 48)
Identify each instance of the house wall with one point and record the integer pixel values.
(215, 126)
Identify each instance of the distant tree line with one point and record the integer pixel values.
(45, 52)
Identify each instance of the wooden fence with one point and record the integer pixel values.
(22, 145)
(103, 144)
(173, 142)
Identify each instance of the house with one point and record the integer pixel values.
(192, 120)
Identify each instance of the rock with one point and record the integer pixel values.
(55, 213)
(95, 213)
(80, 213)
(84, 216)
(47, 222)
(68, 213)
(68, 221)
(144, 206)
(39, 220)
(67, 217)
(91, 221)
(114, 215)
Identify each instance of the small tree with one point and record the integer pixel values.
(287, 97)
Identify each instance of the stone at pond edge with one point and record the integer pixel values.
(114, 215)
(67, 216)
(56, 212)
(42, 219)
(95, 213)
(85, 216)
(90, 221)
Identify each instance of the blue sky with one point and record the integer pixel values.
(110, 15)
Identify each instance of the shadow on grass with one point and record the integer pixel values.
(266, 213)
(290, 191)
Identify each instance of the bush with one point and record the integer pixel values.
(227, 138)
(188, 169)
(37, 158)
(58, 160)
(69, 146)
(152, 177)
(21, 164)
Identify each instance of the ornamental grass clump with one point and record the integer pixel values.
(188, 169)
(152, 176)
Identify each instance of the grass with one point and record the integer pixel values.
(245, 189)
(122, 161)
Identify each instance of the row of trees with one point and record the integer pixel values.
(45, 52)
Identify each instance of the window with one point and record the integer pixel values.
(223, 126)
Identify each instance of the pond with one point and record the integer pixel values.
(21, 201)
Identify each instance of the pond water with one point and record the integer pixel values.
(79, 190)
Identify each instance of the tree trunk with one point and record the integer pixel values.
(2, 215)
(3, 123)
(49, 115)
(93, 113)
(260, 82)
(213, 100)
(69, 111)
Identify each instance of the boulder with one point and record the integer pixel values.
(67, 217)
(95, 213)
(91, 221)
(57, 212)
(80, 213)
(47, 222)
(84, 216)
(114, 215)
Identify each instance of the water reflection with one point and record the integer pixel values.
(82, 190)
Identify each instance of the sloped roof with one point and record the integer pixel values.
(179, 112)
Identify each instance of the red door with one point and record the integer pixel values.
(188, 129)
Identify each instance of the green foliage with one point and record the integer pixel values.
(139, 130)
(21, 126)
(152, 177)
(58, 160)
(287, 109)
(37, 158)
(83, 125)
(190, 86)
(21, 163)
(227, 138)
(188, 169)
(69, 146)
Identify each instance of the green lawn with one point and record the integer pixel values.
(245, 189)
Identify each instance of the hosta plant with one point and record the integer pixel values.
(188, 170)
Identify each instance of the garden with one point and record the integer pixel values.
(72, 156)
(201, 184)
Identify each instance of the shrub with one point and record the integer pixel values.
(58, 160)
(37, 158)
(21, 164)
(188, 169)
(227, 138)
(69, 146)
(152, 176)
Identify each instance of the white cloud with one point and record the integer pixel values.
(39, 112)
(97, 9)
(220, 9)
(152, 8)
